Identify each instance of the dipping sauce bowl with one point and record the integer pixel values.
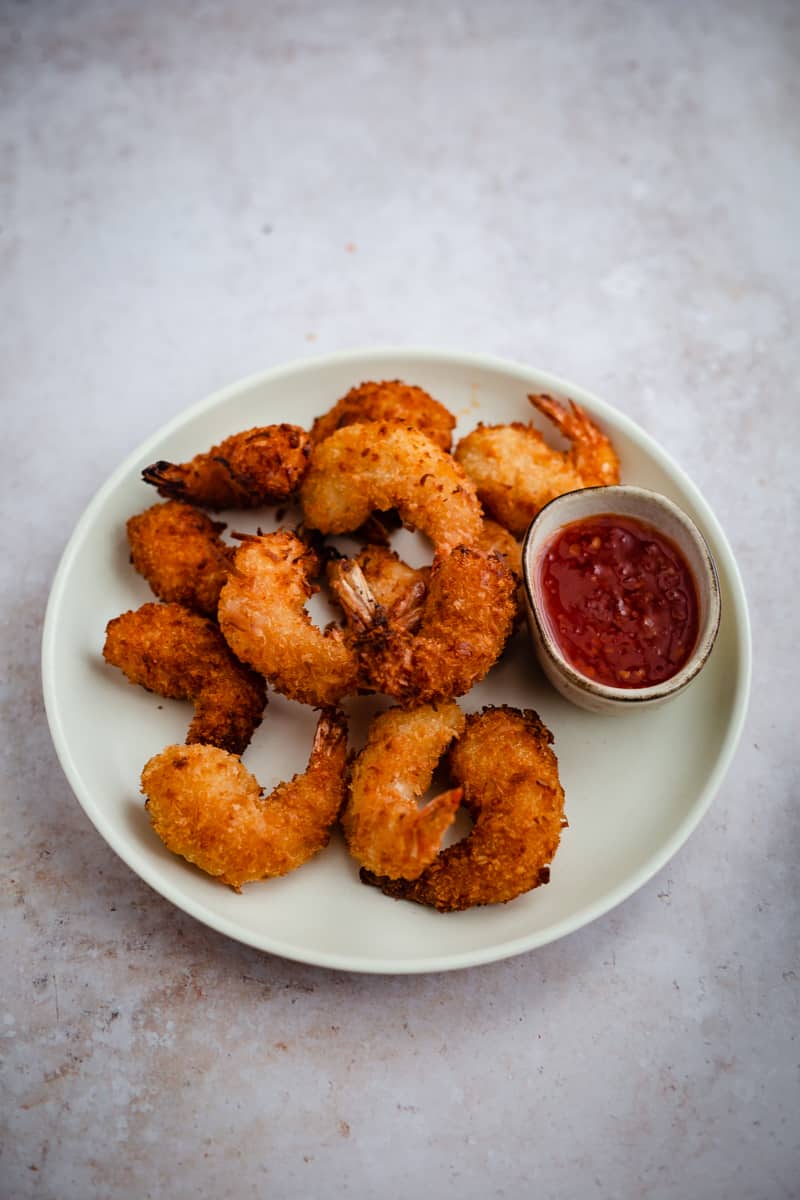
(631, 619)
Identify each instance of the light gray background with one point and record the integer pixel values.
(606, 190)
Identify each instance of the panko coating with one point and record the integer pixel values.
(206, 806)
(263, 617)
(391, 400)
(385, 830)
(177, 653)
(509, 775)
(259, 466)
(467, 615)
(516, 473)
(361, 468)
(180, 553)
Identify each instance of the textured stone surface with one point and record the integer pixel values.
(191, 192)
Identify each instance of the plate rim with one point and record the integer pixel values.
(463, 959)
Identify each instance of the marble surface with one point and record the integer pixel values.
(194, 191)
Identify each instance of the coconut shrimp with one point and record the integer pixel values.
(181, 655)
(516, 473)
(259, 466)
(385, 830)
(383, 466)
(509, 775)
(180, 553)
(466, 617)
(207, 807)
(262, 615)
(397, 588)
(391, 400)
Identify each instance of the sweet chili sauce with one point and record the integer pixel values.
(620, 600)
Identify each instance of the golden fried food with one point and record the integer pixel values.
(467, 615)
(516, 473)
(383, 466)
(509, 775)
(207, 807)
(259, 466)
(180, 553)
(391, 400)
(263, 617)
(385, 830)
(396, 587)
(177, 653)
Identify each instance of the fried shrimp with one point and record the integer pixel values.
(179, 552)
(259, 466)
(383, 466)
(516, 473)
(207, 807)
(262, 615)
(509, 776)
(466, 617)
(385, 830)
(179, 654)
(391, 400)
(396, 587)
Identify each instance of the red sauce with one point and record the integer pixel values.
(620, 601)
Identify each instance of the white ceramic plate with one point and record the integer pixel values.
(636, 785)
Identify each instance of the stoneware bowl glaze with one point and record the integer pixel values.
(655, 510)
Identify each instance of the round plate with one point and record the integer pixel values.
(636, 785)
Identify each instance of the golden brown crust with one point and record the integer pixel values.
(207, 807)
(516, 473)
(509, 774)
(181, 655)
(263, 617)
(180, 553)
(466, 617)
(384, 466)
(258, 466)
(385, 830)
(391, 400)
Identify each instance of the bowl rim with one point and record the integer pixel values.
(708, 585)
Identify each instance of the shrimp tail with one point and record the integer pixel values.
(434, 821)
(349, 584)
(570, 420)
(166, 477)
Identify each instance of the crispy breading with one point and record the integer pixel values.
(383, 466)
(206, 806)
(391, 400)
(509, 775)
(179, 654)
(516, 473)
(466, 617)
(258, 466)
(263, 617)
(180, 553)
(385, 830)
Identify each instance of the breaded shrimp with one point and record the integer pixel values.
(391, 400)
(400, 589)
(382, 466)
(516, 473)
(509, 775)
(207, 807)
(259, 466)
(179, 551)
(467, 615)
(262, 615)
(396, 587)
(385, 830)
(177, 653)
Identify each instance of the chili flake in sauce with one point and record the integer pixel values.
(620, 600)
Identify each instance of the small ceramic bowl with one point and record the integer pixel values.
(667, 518)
